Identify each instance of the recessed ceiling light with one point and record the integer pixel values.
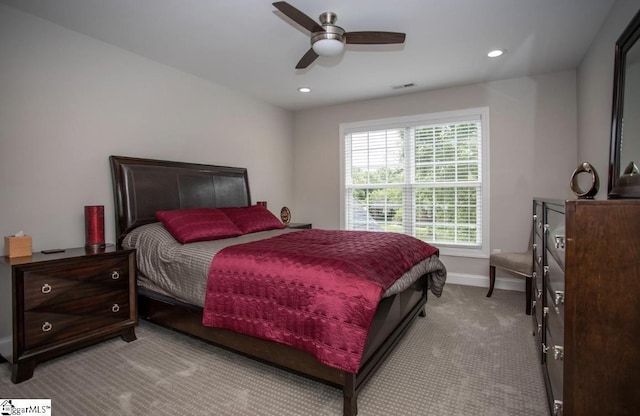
(495, 53)
(304, 89)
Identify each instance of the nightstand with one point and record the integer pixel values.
(52, 304)
(299, 225)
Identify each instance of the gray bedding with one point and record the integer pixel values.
(180, 270)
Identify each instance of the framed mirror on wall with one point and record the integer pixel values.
(624, 154)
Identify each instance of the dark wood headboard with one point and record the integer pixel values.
(143, 186)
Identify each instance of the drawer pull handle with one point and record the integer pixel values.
(115, 275)
(558, 352)
(115, 308)
(46, 288)
(46, 327)
(557, 408)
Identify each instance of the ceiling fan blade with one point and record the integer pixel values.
(307, 59)
(374, 38)
(298, 17)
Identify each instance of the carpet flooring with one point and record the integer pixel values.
(470, 355)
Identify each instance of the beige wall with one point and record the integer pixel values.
(532, 152)
(595, 91)
(67, 102)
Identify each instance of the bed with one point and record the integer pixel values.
(144, 186)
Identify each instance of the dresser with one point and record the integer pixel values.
(586, 307)
(51, 304)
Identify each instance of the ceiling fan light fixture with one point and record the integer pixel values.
(328, 47)
(328, 39)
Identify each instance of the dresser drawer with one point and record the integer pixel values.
(556, 240)
(554, 320)
(554, 284)
(554, 368)
(51, 323)
(537, 295)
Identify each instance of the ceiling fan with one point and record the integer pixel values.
(328, 39)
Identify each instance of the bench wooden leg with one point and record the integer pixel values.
(492, 280)
(528, 294)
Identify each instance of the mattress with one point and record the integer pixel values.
(180, 270)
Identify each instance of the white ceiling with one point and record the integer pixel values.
(249, 46)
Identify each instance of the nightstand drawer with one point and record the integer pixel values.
(51, 323)
(108, 270)
(43, 289)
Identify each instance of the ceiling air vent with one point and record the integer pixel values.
(400, 87)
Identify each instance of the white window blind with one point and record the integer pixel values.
(422, 176)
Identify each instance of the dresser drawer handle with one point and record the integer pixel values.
(115, 275)
(558, 352)
(115, 308)
(46, 327)
(557, 408)
(46, 288)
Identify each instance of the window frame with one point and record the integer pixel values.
(479, 113)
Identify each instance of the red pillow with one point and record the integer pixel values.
(197, 224)
(253, 218)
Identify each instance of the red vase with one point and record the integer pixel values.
(94, 225)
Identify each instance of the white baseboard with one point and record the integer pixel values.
(6, 346)
(505, 283)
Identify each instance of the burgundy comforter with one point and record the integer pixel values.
(315, 290)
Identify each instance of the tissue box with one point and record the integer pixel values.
(17, 246)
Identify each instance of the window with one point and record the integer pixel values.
(425, 176)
